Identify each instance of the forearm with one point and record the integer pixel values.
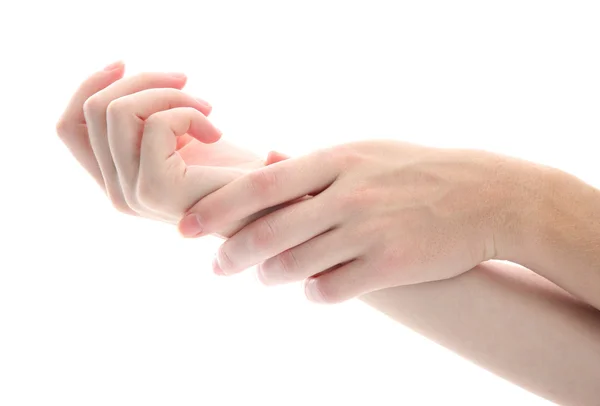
(511, 322)
(558, 233)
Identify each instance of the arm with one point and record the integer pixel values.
(506, 318)
(542, 338)
(559, 232)
(393, 214)
(510, 321)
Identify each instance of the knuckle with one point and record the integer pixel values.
(94, 106)
(155, 122)
(344, 156)
(117, 199)
(358, 197)
(350, 201)
(288, 264)
(262, 182)
(63, 128)
(263, 235)
(391, 258)
(132, 201)
(117, 108)
(121, 206)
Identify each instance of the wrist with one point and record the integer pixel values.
(520, 195)
(552, 213)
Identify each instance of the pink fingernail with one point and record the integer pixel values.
(114, 66)
(177, 75)
(190, 226)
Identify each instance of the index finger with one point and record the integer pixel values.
(259, 190)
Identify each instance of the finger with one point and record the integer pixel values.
(71, 127)
(343, 283)
(310, 258)
(125, 123)
(160, 165)
(160, 132)
(73, 114)
(275, 233)
(260, 190)
(95, 115)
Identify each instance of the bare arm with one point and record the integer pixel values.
(510, 321)
(394, 214)
(557, 233)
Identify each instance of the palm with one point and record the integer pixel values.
(220, 154)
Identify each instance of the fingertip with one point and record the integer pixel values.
(207, 135)
(203, 102)
(204, 106)
(115, 66)
(190, 227)
(180, 79)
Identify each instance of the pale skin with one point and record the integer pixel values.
(151, 148)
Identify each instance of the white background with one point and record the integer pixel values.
(97, 308)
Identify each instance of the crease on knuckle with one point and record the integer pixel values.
(327, 292)
(288, 264)
(263, 235)
(263, 181)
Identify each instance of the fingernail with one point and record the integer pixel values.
(190, 226)
(203, 102)
(177, 75)
(216, 268)
(114, 66)
(312, 291)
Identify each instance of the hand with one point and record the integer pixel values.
(111, 121)
(383, 214)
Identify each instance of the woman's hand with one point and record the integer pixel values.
(383, 214)
(148, 144)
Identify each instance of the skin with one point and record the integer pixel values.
(152, 141)
(511, 322)
(149, 145)
(387, 213)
